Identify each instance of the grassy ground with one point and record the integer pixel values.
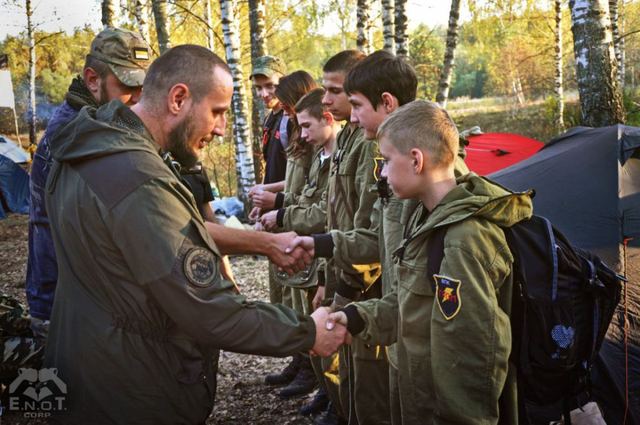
(501, 115)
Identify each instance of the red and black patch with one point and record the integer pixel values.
(377, 167)
(448, 296)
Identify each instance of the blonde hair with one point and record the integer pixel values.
(424, 125)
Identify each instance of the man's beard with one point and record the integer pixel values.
(104, 96)
(178, 138)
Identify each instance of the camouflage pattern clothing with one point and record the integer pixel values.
(20, 349)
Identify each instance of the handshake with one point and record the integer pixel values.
(331, 331)
(290, 252)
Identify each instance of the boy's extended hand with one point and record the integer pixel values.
(328, 340)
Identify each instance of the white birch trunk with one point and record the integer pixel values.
(449, 55)
(387, 26)
(141, 15)
(109, 13)
(558, 85)
(162, 24)
(241, 130)
(258, 48)
(615, 32)
(209, 19)
(596, 68)
(32, 73)
(402, 36)
(363, 24)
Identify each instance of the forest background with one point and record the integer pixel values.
(504, 78)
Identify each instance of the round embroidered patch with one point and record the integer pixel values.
(200, 267)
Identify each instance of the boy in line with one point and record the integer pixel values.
(452, 329)
(377, 86)
(350, 198)
(319, 129)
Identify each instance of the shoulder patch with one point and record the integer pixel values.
(448, 296)
(200, 267)
(377, 167)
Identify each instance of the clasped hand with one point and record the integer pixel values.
(331, 331)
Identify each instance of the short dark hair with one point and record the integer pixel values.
(343, 61)
(382, 72)
(293, 86)
(188, 64)
(312, 103)
(101, 68)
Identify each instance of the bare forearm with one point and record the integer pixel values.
(239, 242)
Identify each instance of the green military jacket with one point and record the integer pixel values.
(453, 345)
(140, 304)
(296, 176)
(302, 217)
(350, 199)
(377, 243)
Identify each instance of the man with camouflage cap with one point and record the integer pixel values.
(114, 69)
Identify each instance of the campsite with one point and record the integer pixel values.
(545, 98)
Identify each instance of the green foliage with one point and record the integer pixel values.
(426, 50)
(631, 99)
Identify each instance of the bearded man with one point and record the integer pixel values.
(141, 306)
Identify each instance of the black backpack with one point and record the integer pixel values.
(563, 301)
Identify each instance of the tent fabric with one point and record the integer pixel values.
(12, 151)
(14, 187)
(490, 152)
(587, 182)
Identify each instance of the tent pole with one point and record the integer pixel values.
(15, 117)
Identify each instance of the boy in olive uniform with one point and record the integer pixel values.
(377, 86)
(350, 199)
(452, 329)
(319, 129)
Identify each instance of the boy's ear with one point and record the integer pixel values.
(328, 117)
(418, 159)
(389, 102)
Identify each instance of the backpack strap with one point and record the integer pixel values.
(435, 251)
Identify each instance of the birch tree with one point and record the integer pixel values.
(617, 40)
(241, 131)
(162, 24)
(387, 26)
(32, 73)
(449, 54)
(141, 16)
(402, 36)
(596, 73)
(258, 48)
(363, 24)
(209, 19)
(558, 83)
(109, 13)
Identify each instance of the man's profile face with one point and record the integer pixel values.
(365, 116)
(111, 89)
(398, 169)
(203, 120)
(265, 89)
(335, 98)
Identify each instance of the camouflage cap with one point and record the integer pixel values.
(126, 53)
(269, 65)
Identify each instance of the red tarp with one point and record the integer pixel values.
(491, 152)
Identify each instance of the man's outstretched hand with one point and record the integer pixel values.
(327, 340)
(305, 242)
(289, 260)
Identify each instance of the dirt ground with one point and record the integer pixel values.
(241, 398)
